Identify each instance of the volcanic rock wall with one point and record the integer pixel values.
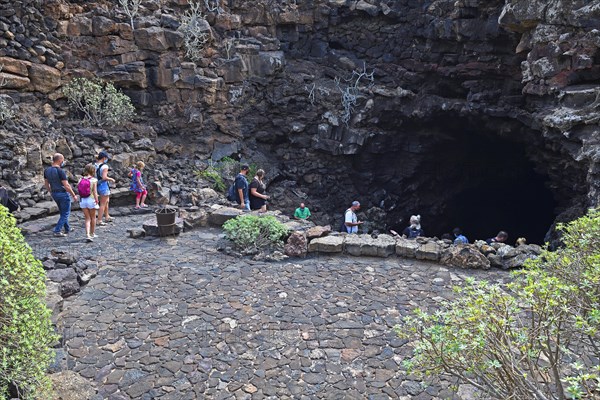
(269, 89)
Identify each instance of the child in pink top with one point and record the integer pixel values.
(137, 185)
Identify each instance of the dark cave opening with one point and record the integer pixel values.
(480, 177)
(499, 190)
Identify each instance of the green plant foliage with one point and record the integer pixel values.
(534, 338)
(213, 175)
(252, 233)
(100, 102)
(26, 333)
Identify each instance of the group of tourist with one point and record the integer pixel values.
(414, 230)
(94, 193)
(94, 199)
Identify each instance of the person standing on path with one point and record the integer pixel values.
(241, 188)
(138, 186)
(56, 183)
(88, 200)
(258, 198)
(350, 219)
(103, 188)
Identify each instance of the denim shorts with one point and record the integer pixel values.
(88, 202)
(103, 189)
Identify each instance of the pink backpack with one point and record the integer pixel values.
(84, 188)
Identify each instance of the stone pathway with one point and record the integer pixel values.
(175, 319)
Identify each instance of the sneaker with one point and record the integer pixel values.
(69, 230)
(94, 236)
(101, 223)
(89, 239)
(111, 219)
(60, 234)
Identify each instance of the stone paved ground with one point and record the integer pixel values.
(175, 319)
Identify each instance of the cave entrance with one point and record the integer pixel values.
(480, 176)
(497, 188)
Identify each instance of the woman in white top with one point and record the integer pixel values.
(89, 204)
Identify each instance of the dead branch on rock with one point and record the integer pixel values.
(196, 32)
(215, 8)
(131, 9)
(351, 91)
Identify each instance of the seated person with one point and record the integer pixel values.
(501, 237)
(414, 230)
(302, 212)
(459, 238)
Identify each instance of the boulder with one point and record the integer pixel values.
(495, 260)
(207, 194)
(44, 78)
(165, 146)
(11, 81)
(223, 214)
(318, 231)
(152, 38)
(67, 278)
(428, 251)
(465, 256)
(136, 233)
(406, 248)
(365, 245)
(327, 244)
(297, 245)
(14, 66)
(159, 194)
(298, 225)
(194, 219)
(54, 300)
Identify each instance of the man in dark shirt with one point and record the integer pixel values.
(241, 188)
(57, 184)
(501, 237)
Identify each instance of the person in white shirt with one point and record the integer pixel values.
(350, 219)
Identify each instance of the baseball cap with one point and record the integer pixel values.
(245, 167)
(103, 154)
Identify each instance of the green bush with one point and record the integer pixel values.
(26, 333)
(534, 338)
(213, 175)
(99, 102)
(252, 233)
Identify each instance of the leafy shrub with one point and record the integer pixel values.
(99, 102)
(26, 333)
(251, 233)
(217, 172)
(213, 175)
(535, 338)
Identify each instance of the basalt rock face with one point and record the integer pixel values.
(406, 106)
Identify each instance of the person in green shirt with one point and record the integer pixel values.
(302, 212)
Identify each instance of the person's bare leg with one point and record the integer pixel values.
(103, 200)
(106, 215)
(88, 221)
(143, 202)
(92, 221)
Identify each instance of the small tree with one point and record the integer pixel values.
(100, 103)
(26, 333)
(196, 32)
(131, 9)
(252, 234)
(535, 338)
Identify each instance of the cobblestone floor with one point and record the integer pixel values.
(175, 319)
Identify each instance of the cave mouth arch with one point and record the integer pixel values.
(478, 175)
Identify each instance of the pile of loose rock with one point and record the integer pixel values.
(65, 275)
